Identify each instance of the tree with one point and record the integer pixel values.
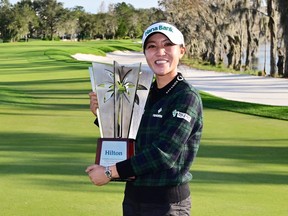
(102, 7)
(25, 19)
(50, 12)
(48, 19)
(273, 42)
(244, 16)
(148, 16)
(85, 27)
(123, 13)
(213, 28)
(189, 17)
(283, 10)
(105, 25)
(6, 15)
(68, 25)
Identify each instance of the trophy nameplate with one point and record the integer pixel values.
(110, 151)
(121, 91)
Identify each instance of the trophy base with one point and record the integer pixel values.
(110, 151)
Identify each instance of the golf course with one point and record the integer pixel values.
(47, 139)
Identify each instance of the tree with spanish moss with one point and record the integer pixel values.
(283, 10)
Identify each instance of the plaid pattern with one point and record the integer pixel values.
(168, 137)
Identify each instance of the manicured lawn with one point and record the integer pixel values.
(47, 139)
(241, 167)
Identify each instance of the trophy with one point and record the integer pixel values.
(121, 91)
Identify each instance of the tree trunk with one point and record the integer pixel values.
(283, 7)
(280, 63)
(286, 54)
(286, 45)
(272, 29)
(213, 55)
(249, 40)
(273, 50)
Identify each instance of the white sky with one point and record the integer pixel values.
(92, 6)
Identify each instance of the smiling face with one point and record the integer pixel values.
(163, 56)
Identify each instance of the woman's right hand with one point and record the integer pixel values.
(93, 103)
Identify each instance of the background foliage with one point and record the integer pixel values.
(215, 31)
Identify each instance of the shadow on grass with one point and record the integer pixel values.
(33, 104)
(251, 154)
(51, 154)
(57, 162)
(45, 143)
(78, 184)
(38, 62)
(239, 178)
(61, 82)
(66, 98)
(46, 66)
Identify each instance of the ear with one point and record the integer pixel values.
(182, 51)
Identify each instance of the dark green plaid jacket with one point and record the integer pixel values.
(168, 137)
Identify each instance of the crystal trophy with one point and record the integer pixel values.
(121, 91)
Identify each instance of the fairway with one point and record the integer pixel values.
(48, 138)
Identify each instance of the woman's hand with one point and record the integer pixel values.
(97, 175)
(93, 103)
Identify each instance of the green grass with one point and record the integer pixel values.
(275, 112)
(48, 139)
(203, 65)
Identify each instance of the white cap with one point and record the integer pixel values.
(170, 31)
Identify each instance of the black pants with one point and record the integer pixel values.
(132, 208)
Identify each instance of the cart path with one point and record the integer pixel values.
(236, 87)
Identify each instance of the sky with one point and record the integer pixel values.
(92, 6)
